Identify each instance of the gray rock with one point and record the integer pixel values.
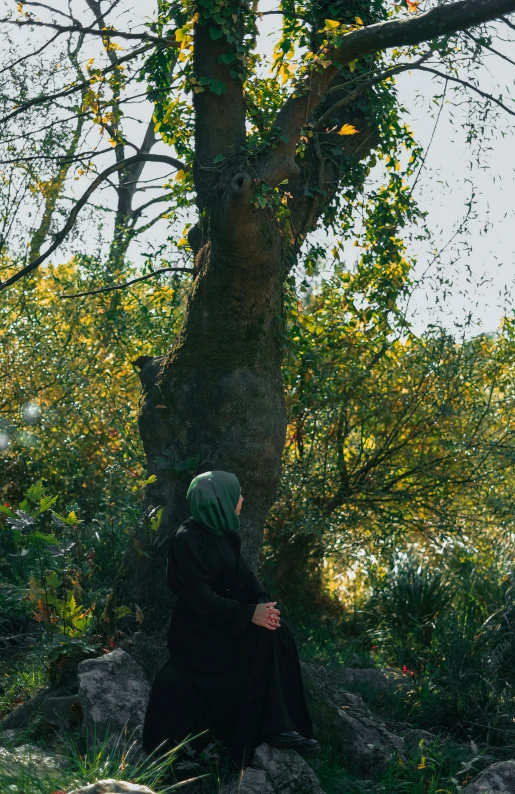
(343, 722)
(30, 759)
(275, 771)
(21, 714)
(62, 712)
(110, 786)
(113, 694)
(385, 680)
(496, 779)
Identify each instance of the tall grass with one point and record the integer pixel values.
(84, 761)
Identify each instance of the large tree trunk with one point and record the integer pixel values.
(216, 400)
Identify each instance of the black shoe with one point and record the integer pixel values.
(295, 741)
(308, 747)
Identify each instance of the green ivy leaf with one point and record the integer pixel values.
(217, 87)
(215, 33)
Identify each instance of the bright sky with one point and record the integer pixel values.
(482, 272)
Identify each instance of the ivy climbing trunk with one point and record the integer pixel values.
(216, 400)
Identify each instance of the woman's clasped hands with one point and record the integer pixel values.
(267, 616)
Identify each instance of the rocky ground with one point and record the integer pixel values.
(104, 698)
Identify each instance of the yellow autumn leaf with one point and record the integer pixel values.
(347, 129)
(180, 176)
(283, 74)
(331, 24)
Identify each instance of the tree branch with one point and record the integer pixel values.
(128, 283)
(443, 20)
(489, 48)
(60, 157)
(29, 55)
(74, 88)
(369, 84)
(141, 209)
(46, 7)
(60, 236)
(472, 87)
(108, 33)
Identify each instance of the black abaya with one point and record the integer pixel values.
(240, 681)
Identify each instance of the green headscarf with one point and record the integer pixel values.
(212, 498)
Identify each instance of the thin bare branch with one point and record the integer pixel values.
(40, 100)
(489, 48)
(472, 87)
(46, 7)
(29, 55)
(287, 14)
(61, 158)
(61, 235)
(369, 84)
(158, 199)
(129, 283)
(107, 33)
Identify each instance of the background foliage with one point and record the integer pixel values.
(391, 541)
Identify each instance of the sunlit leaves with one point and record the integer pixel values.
(88, 404)
(391, 434)
(347, 129)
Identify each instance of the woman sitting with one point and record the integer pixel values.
(233, 668)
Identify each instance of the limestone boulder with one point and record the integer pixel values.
(31, 760)
(62, 712)
(113, 694)
(110, 786)
(275, 771)
(342, 721)
(498, 778)
(385, 680)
